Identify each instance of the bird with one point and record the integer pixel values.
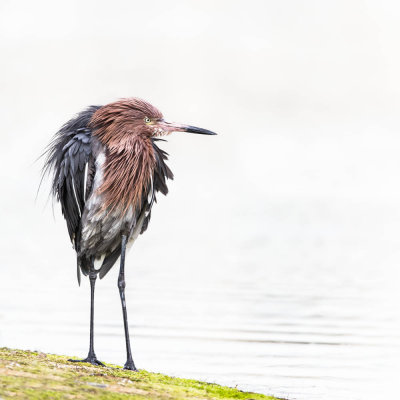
(106, 169)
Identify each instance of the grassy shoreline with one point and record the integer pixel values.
(35, 375)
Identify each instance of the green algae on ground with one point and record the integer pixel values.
(35, 375)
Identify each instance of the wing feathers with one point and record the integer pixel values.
(158, 184)
(67, 155)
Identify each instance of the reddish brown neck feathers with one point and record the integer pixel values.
(130, 158)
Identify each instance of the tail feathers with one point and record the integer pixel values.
(109, 261)
(78, 272)
(83, 264)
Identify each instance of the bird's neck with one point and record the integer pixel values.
(128, 170)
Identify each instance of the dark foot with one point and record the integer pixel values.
(89, 359)
(130, 365)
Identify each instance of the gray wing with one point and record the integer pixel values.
(161, 174)
(70, 161)
(68, 157)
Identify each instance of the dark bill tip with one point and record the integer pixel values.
(195, 129)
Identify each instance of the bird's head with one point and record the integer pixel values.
(131, 117)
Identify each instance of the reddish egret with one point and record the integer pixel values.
(106, 170)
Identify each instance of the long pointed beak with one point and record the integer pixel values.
(173, 127)
(195, 129)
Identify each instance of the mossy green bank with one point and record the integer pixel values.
(35, 375)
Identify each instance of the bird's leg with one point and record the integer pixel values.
(121, 286)
(91, 358)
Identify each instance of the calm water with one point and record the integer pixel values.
(254, 311)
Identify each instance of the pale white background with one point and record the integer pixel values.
(273, 262)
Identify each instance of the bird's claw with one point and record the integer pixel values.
(91, 360)
(130, 365)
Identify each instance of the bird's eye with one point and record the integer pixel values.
(147, 120)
